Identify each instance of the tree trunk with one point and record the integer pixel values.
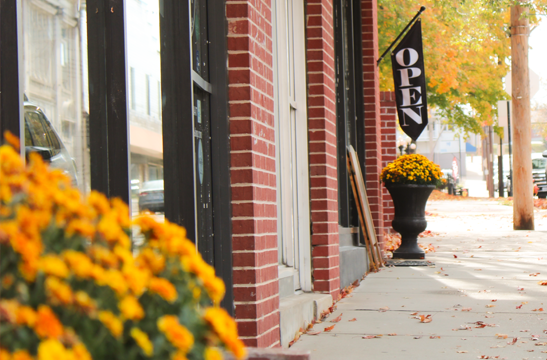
(523, 205)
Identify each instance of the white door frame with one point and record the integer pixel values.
(291, 125)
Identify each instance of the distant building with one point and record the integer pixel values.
(441, 144)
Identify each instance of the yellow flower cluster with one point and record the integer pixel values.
(76, 257)
(411, 169)
(225, 328)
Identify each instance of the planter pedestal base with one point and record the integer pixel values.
(409, 201)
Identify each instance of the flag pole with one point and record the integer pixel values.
(422, 9)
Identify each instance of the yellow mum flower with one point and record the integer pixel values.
(52, 349)
(58, 291)
(141, 338)
(21, 355)
(130, 308)
(47, 325)
(177, 334)
(84, 301)
(80, 352)
(111, 322)
(163, 288)
(137, 279)
(80, 264)
(225, 327)
(212, 354)
(25, 315)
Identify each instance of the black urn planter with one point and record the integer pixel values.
(409, 221)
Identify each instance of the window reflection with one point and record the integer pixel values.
(53, 74)
(144, 74)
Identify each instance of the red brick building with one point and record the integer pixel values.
(303, 85)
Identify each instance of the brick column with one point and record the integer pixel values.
(253, 176)
(322, 138)
(373, 124)
(389, 150)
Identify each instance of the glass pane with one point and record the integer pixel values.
(144, 74)
(200, 52)
(54, 82)
(202, 144)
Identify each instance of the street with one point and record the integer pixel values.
(480, 297)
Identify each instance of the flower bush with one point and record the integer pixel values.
(411, 169)
(73, 286)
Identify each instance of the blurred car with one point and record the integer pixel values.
(540, 180)
(41, 138)
(151, 196)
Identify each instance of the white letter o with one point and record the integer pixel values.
(401, 57)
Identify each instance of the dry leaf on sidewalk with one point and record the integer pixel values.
(371, 337)
(314, 332)
(502, 336)
(383, 309)
(337, 319)
(329, 328)
(462, 351)
(543, 282)
(425, 318)
(351, 320)
(467, 309)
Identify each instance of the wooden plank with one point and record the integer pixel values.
(368, 244)
(367, 223)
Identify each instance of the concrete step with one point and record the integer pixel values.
(297, 311)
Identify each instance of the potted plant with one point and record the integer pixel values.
(74, 286)
(410, 179)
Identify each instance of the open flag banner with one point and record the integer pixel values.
(407, 61)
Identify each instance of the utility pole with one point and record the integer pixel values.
(523, 205)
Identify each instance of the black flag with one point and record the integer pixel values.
(407, 61)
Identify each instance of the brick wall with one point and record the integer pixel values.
(322, 138)
(388, 117)
(253, 176)
(373, 124)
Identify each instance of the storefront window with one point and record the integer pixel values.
(53, 85)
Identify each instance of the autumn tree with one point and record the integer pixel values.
(466, 51)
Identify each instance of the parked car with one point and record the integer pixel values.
(541, 181)
(151, 196)
(41, 137)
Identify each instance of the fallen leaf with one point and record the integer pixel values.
(524, 302)
(329, 328)
(525, 330)
(519, 306)
(534, 274)
(425, 318)
(414, 313)
(417, 337)
(467, 309)
(354, 319)
(383, 309)
(502, 336)
(541, 344)
(494, 300)
(543, 282)
(520, 289)
(370, 336)
(392, 334)
(461, 351)
(314, 332)
(335, 320)
(434, 337)
(455, 257)
(512, 342)
(490, 305)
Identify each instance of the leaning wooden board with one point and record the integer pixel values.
(365, 216)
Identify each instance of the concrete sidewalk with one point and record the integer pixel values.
(483, 273)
